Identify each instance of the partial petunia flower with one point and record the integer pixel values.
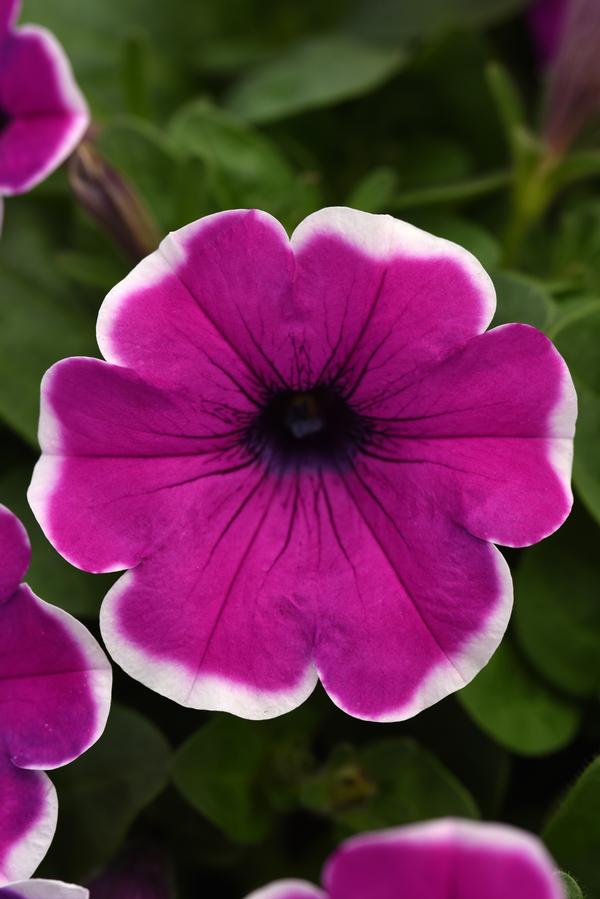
(138, 876)
(55, 685)
(42, 889)
(445, 859)
(304, 452)
(546, 22)
(43, 114)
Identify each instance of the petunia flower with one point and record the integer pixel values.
(55, 686)
(139, 876)
(446, 859)
(304, 452)
(42, 889)
(546, 22)
(43, 114)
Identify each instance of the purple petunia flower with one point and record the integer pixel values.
(42, 889)
(43, 115)
(446, 859)
(55, 686)
(546, 21)
(140, 876)
(304, 451)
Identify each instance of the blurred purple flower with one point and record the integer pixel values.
(43, 115)
(54, 694)
(137, 877)
(445, 859)
(546, 19)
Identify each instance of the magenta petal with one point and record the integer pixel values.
(547, 20)
(489, 432)
(47, 113)
(9, 13)
(412, 607)
(226, 589)
(28, 811)
(43, 889)
(443, 860)
(15, 552)
(288, 889)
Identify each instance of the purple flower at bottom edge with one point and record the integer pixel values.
(304, 451)
(142, 875)
(43, 115)
(42, 889)
(445, 859)
(55, 684)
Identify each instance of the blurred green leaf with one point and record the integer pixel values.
(573, 832)
(386, 783)
(509, 702)
(521, 299)
(244, 168)
(470, 235)
(571, 888)
(103, 792)
(40, 319)
(318, 72)
(577, 337)
(557, 611)
(454, 193)
(374, 192)
(49, 575)
(242, 774)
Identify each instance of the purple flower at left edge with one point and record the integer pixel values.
(444, 859)
(43, 114)
(42, 889)
(55, 685)
(304, 449)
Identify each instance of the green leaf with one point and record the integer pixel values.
(454, 193)
(374, 192)
(573, 832)
(521, 299)
(243, 167)
(577, 337)
(241, 774)
(40, 320)
(557, 613)
(321, 71)
(104, 791)
(390, 21)
(49, 575)
(468, 234)
(387, 783)
(571, 888)
(509, 702)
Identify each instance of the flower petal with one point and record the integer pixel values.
(28, 812)
(492, 429)
(15, 552)
(443, 859)
(118, 455)
(211, 301)
(217, 618)
(383, 297)
(54, 683)
(48, 114)
(9, 13)
(413, 606)
(43, 889)
(288, 889)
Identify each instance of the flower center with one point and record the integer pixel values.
(311, 427)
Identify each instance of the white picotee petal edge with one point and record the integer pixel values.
(46, 889)
(27, 854)
(207, 692)
(73, 99)
(385, 237)
(455, 673)
(470, 834)
(283, 889)
(99, 674)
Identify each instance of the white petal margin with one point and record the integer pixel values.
(288, 889)
(457, 671)
(72, 98)
(46, 889)
(27, 854)
(460, 833)
(173, 252)
(384, 238)
(176, 682)
(98, 672)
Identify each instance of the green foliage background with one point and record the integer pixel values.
(413, 107)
